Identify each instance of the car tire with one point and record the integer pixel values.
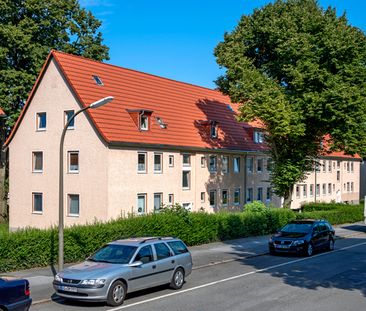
(272, 252)
(116, 294)
(177, 279)
(330, 246)
(309, 250)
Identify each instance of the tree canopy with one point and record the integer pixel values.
(301, 70)
(29, 29)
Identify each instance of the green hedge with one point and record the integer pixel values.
(31, 248)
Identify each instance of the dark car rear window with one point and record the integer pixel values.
(178, 247)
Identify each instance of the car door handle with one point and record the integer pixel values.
(173, 261)
(154, 266)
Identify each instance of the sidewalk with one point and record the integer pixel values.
(40, 279)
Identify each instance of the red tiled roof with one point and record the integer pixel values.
(179, 105)
(187, 109)
(2, 113)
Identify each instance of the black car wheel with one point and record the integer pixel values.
(177, 279)
(309, 250)
(116, 294)
(330, 245)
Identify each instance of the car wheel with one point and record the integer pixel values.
(309, 250)
(330, 245)
(177, 279)
(272, 251)
(116, 294)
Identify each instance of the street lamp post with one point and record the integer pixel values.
(94, 105)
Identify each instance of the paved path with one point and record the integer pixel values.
(203, 255)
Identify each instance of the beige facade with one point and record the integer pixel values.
(102, 182)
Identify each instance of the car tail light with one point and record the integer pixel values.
(27, 290)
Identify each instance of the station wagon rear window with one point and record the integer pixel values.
(178, 247)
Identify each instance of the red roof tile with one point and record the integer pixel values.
(2, 113)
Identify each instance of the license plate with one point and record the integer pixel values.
(69, 289)
(282, 246)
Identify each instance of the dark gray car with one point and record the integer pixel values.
(124, 266)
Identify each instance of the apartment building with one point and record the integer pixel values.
(158, 142)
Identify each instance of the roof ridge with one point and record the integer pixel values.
(138, 71)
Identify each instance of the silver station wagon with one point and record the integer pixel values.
(124, 266)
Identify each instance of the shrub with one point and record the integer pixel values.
(255, 207)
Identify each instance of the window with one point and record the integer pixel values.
(171, 161)
(338, 164)
(213, 164)
(224, 197)
(158, 162)
(202, 197)
(186, 160)
(41, 121)
(187, 206)
(98, 80)
(344, 187)
(73, 161)
(352, 188)
(269, 194)
(333, 187)
(297, 191)
(305, 191)
(144, 122)
(171, 198)
(249, 194)
(269, 164)
(324, 166)
(258, 137)
(338, 175)
(324, 187)
(348, 167)
(203, 161)
(260, 194)
(260, 165)
(37, 161)
(329, 166)
(213, 130)
(250, 165)
(37, 203)
(237, 196)
(348, 187)
(345, 166)
(141, 162)
(145, 255)
(225, 164)
(352, 167)
(317, 189)
(158, 201)
(73, 205)
(311, 190)
(67, 116)
(178, 247)
(329, 188)
(236, 162)
(141, 203)
(162, 251)
(213, 198)
(317, 166)
(186, 181)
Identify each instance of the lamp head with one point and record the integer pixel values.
(101, 102)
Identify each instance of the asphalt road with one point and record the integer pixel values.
(327, 281)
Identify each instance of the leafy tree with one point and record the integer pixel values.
(29, 29)
(301, 71)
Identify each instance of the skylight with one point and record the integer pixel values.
(98, 80)
(230, 108)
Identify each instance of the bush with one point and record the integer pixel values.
(255, 207)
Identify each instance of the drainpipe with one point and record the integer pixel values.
(316, 187)
(245, 178)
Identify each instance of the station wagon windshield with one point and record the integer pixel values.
(297, 228)
(113, 253)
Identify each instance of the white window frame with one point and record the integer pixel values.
(258, 137)
(186, 156)
(160, 155)
(144, 171)
(33, 202)
(236, 191)
(262, 167)
(188, 172)
(203, 194)
(160, 195)
(69, 170)
(213, 130)
(260, 191)
(69, 204)
(250, 194)
(236, 165)
(171, 160)
(227, 197)
(250, 168)
(297, 191)
(171, 198)
(225, 166)
(311, 190)
(144, 195)
(214, 192)
(213, 169)
(34, 170)
(66, 119)
(144, 126)
(38, 119)
(304, 191)
(203, 161)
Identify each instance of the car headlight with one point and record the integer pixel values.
(93, 282)
(299, 242)
(58, 278)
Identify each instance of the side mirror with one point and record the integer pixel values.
(136, 264)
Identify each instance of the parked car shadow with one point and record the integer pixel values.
(318, 271)
(356, 228)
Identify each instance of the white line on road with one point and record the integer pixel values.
(231, 278)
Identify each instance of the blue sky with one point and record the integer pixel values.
(175, 39)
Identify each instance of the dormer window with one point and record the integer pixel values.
(258, 137)
(213, 130)
(144, 122)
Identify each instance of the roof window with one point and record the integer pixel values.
(161, 123)
(229, 108)
(213, 130)
(98, 80)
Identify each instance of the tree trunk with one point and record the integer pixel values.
(288, 198)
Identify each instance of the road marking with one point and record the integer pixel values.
(232, 278)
